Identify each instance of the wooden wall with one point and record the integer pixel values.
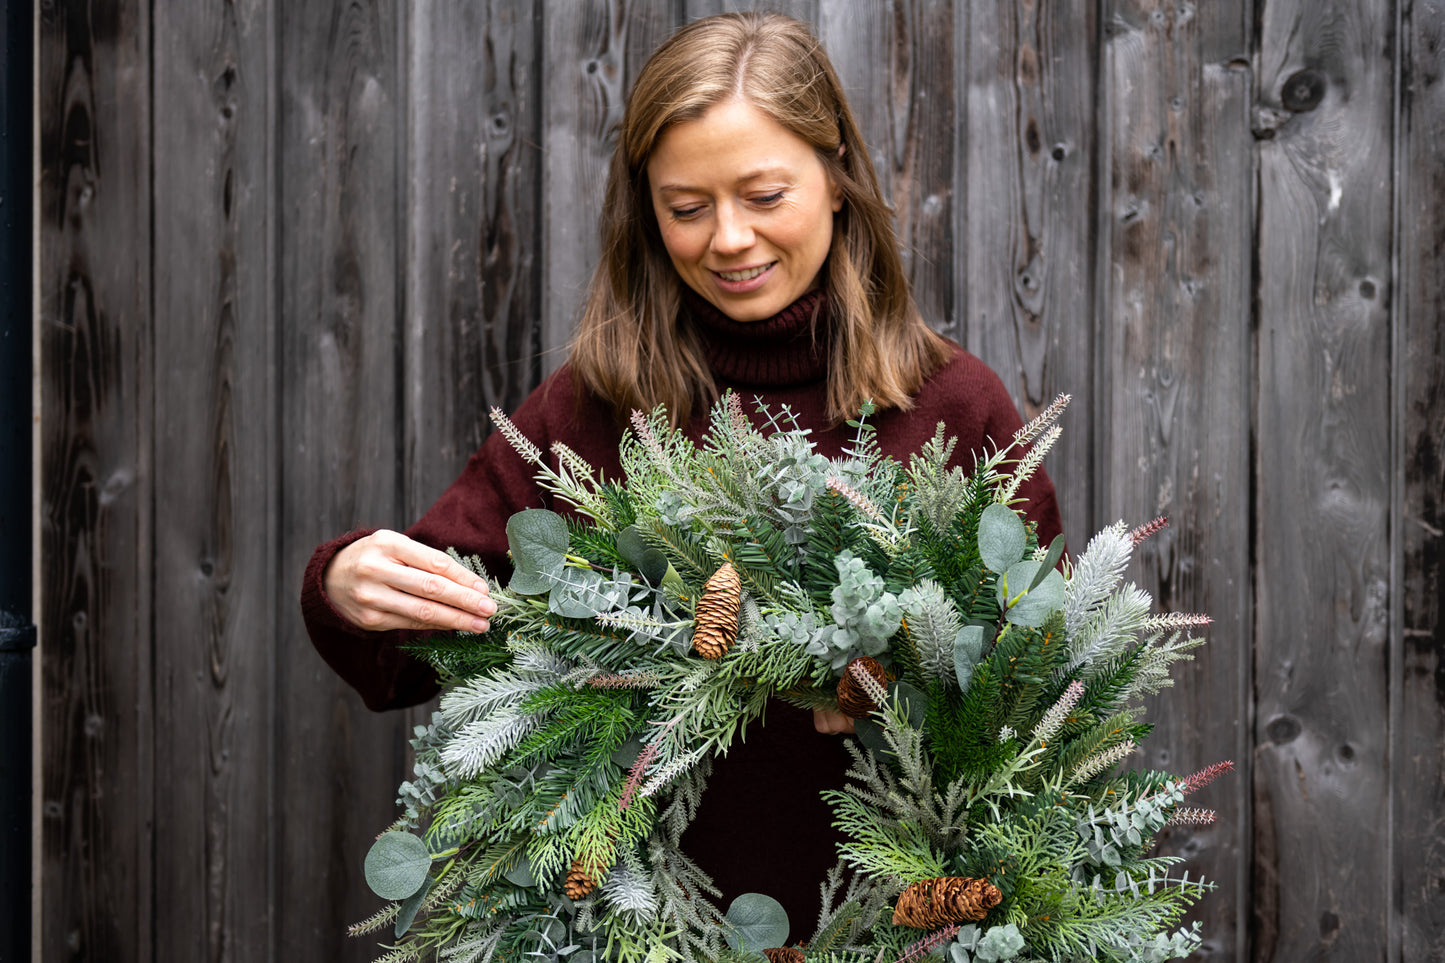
(291, 252)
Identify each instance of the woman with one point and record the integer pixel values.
(746, 245)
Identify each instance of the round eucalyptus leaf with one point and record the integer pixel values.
(650, 563)
(1001, 537)
(538, 541)
(913, 701)
(396, 865)
(870, 734)
(756, 922)
(1030, 607)
(521, 874)
(578, 595)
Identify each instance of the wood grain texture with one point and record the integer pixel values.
(1173, 418)
(591, 49)
(860, 41)
(1325, 95)
(1418, 732)
(1025, 184)
(337, 765)
(804, 10)
(473, 230)
(216, 584)
(96, 507)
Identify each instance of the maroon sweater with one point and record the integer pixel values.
(779, 768)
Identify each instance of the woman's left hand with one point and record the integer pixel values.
(832, 721)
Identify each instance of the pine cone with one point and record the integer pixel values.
(579, 881)
(717, 613)
(784, 954)
(944, 900)
(853, 700)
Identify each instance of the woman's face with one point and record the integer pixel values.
(745, 208)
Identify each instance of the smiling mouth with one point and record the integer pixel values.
(745, 275)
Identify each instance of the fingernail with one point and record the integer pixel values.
(478, 625)
(480, 587)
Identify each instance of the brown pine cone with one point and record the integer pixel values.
(716, 616)
(944, 900)
(784, 954)
(579, 882)
(853, 700)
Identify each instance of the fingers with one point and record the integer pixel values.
(389, 581)
(832, 722)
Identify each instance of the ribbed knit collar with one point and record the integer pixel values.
(790, 348)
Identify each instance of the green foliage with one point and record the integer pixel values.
(580, 731)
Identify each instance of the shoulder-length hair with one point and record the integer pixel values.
(631, 347)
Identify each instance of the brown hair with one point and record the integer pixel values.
(630, 347)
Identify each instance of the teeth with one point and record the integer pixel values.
(747, 275)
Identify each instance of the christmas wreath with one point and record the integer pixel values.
(995, 694)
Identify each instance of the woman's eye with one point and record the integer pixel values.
(768, 200)
(685, 213)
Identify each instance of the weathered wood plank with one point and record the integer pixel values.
(804, 10)
(1321, 781)
(473, 230)
(1175, 348)
(591, 50)
(216, 582)
(1418, 688)
(1024, 180)
(338, 765)
(860, 42)
(96, 473)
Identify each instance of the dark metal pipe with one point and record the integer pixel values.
(17, 632)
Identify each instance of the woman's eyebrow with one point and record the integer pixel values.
(783, 173)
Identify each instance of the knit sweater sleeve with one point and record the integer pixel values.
(470, 516)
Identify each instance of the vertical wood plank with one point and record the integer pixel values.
(591, 50)
(215, 430)
(473, 215)
(337, 765)
(1176, 362)
(1321, 779)
(1023, 275)
(1418, 727)
(95, 298)
(860, 41)
(804, 10)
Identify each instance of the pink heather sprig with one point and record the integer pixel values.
(928, 944)
(1053, 720)
(1175, 622)
(741, 425)
(1206, 776)
(513, 434)
(635, 774)
(871, 686)
(859, 500)
(1144, 532)
(1044, 419)
(1190, 816)
(648, 437)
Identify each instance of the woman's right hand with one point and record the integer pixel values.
(389, 581)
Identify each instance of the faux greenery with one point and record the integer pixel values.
(575, 738)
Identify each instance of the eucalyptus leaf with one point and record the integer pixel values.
(407, 911)
(521, 874)
(578, 595)
(538, 540)
(913, 701)
(1002, 537)
(870, 734)
(650, 563)
(756, 922)
(967, 652)
(396, 865)
(1030, 607)
(1056, 552)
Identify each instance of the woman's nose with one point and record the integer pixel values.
(732, 233)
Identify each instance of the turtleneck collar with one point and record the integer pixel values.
(790, 348)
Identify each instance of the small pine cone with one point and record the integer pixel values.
(579, 882)
(853, 701)
(784, 954)
(717, 613)
(945, 900)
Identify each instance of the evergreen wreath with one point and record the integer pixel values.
(995, 695)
